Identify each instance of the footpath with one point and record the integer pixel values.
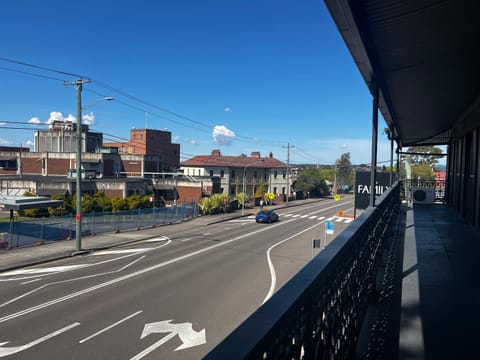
(33, 255)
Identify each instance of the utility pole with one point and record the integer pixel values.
(288, 170)
(78, 163)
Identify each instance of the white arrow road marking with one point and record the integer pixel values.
(185, 331)
(5, 351)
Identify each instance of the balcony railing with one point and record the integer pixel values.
(319, 314)
(438, 185)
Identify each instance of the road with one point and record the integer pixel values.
(170, 297)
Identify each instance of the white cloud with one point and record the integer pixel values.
(88, 119)
(228, 110)
(222, 136)
(71, 118)
(5, 142)
(30, 143)
(55, 116)
(2, 123)
(34, 120)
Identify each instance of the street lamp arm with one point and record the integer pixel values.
(93, 103)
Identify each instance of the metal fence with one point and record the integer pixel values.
(319, 313)
(31, 231)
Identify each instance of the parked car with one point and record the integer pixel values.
(266, 216)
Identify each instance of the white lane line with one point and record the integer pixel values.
(6, 351)
(72, 267)
(121, 251)
(68, 280)
(303, 216)
(134, 274)
(161, 238)
(31, 281)
(313, 217)
(110, 327)
(273, 276)
(296, 215)
(288, 215)
(321, 218)
(46, 270)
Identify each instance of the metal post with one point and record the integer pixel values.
(78, 228)
(373, 173)
(391, 160)
(243, 189)
(78, 161)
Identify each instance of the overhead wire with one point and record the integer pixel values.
(199, 125)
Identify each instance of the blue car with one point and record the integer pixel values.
(266, 216)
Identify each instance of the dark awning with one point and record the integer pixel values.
(28, 202)
(424, 57)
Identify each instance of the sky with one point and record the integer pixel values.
(237, 76)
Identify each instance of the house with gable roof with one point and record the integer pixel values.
(237, 174)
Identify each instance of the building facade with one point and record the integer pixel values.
(151, 142)
(241, 174)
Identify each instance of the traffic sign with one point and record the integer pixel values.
(329, 227)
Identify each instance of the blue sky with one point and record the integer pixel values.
(239, 76)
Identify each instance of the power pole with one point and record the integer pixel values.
(78, 163)
(288, 170)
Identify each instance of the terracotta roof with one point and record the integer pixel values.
(234, 161)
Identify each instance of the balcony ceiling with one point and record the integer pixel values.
(424, 55)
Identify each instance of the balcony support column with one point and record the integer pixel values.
(373, 174)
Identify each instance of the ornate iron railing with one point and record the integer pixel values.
(438, 185)
(319, 313)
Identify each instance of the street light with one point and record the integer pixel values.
(78, 160)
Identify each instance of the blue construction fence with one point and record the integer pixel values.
(28, 232)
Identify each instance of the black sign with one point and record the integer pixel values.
(362, 187)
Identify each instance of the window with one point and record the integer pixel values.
(275, 174)
(255, 174)
(284, 174)
(211, 172)
(275, 190)
(222, 173)
(199, 173)
(233, 173)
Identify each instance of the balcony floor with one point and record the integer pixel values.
(439, 315)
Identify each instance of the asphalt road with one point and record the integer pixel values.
(170, 297)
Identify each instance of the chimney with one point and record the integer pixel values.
(270, 155)
(216, 153)
(255, 154)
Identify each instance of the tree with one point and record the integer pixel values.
(422, 161)
(422, 155)
(344, 172)
(311, 181)
(242, 199)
